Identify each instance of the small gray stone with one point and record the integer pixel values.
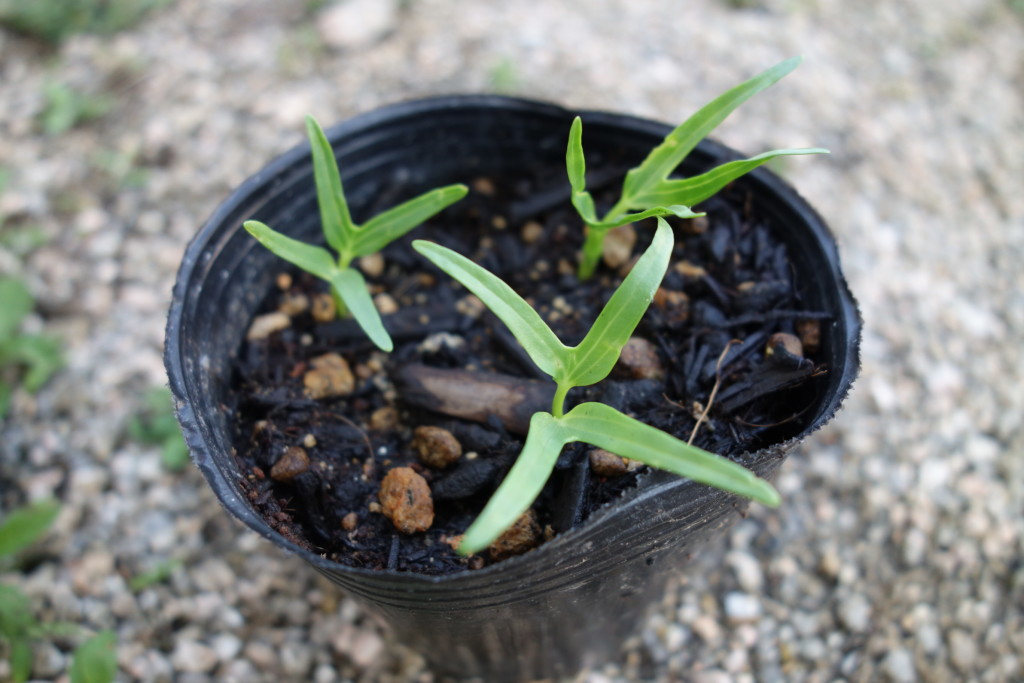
(963, 651)
(193, 657)
(898, 666)
(742, 607)
(855, 613)
(357, 23)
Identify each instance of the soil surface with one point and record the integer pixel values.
(317, 457)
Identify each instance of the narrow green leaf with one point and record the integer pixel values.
(25, 525)
(314, 260)
(664, 158)
(334, 216)
(17, 303)
(607, 428)
(95, 660)
(350, 285)
(41, 355)
(16, 617)
(536, 337)
(21, 660)
(674, 209)
(595, 356)
(388, 226)
(584, 205)
(521, 485)
(691, 191)
(575, 163)
(5, 398)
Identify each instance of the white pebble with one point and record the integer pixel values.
(741, 607)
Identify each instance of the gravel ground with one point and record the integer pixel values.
(897, 553)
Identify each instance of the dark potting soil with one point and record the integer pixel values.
(729, 279)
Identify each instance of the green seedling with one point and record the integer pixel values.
(94, 661)
(348, 287)
(67, 108)
(156, 425)
(54, 21)
(648, 189)
(26, 358)
(587, 363)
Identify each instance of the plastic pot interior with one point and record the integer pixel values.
(520, 618)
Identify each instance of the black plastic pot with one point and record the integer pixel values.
(573, 601)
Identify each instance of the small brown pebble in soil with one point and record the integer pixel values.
(375, 507)
(324, 310)
(606, 464)
(284, 281)
(385, 303)
(810, 334)
(532, 231)
(484, 186)
(499, 222)
(290, 465)
(687, 269)
(470, 306)
(453, 541)
(330, 376)
(405, 500)
(787, 342)
(517, 539)
(675, 305)
(350, 521)
(293, 304)
(384, 418)
(639, 360)
(309, 441)
(695, 226)
(618, 246)
(267, 324)
(372, 264)
(438, 448)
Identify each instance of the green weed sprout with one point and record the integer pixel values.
(26, 358)
(587, 363)
(648, 189)
(95, 660)
(348, 287)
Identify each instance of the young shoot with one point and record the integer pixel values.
(587, 363)
(647, 188)
(350, 241)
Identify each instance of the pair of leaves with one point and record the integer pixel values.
(349, 240)
(594, 357)
(39, 355)
(23, 526)
(648, 189)
(587, 363)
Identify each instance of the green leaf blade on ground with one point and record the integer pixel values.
(350, 286)
(389, 225)
(26, 525)
(17, 303)
(335, 220)
(41, 356)
(20, 660)
(607, 428)
(314, 260)
(521, 485)
(693, 190)
(95, 660)
(537, 339)
(596, 355)
(664, 158)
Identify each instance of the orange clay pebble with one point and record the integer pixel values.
(290, 465)
(518, 538)
(405, 500)
(330, 376)
(438, 448)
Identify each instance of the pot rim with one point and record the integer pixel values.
(653, 484)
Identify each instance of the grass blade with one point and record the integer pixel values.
(575, 164)
(25, 525)
(607, 428)
(95, 660)
(595, 356)
(692, 191)
(334, 216)
(664, 158)
(671, 209)
(388, 226)
(18, 302)
(350, 286)
(526, 325)
(521, 486)
(315, 260)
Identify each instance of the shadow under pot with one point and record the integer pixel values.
(761, 263)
